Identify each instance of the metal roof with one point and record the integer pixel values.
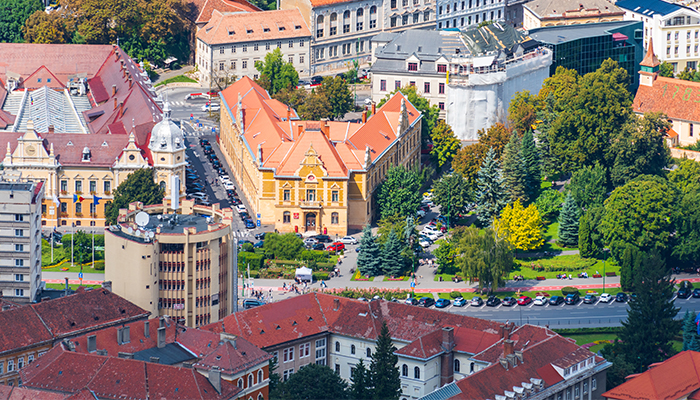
(567, 33)
(446, 392)
(649, 7)
(171, 354)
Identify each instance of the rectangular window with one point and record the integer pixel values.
(78, 207)
(585, 388)
(301, 43)
(404, 19)
(221, 66)
(30, 358)
(337, 369)
(288, 354)
(287, 195)
(301, 59)
(333, 30)
(441, 106)
(441, 88)
(20, 363)
(2, 368)
(372, 23)
(594, 384)
(442, 68)
(426, 87)
(10, 365)
(310, 195)
(107, 186)
(92, 208)
(244, 64)
(412, 83)
(19, 292)
(221, 50)
(335, 196)
(359, 26)
(393, 22)
(64, 207)
(93, 186)
(320, 350)
(19, 247)
(382, 85)
(19, 217)
(290, 59)
(245, 48)
(287, 373)
(413, 66)
(397, 85)
(19, 277)
(78, 186)
(233, 65)
(415, 18)
(426, 16)
(304, 350)
(19, 232)
(64, 186)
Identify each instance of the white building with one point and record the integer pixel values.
(20, 230)
(229, 44)
(466, 13)
(675, 30)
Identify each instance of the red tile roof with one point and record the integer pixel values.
(675, 378)
(199, 341)
(20, 393)
(246, 27)
(22, 327)
(674, 97)
(223, 6)
(650, 59)
(106, 339)
(233, 358)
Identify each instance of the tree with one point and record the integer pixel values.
(590, 237)
(545, 116)
(452, 194)
(392, 261)
(490, 195)
(532, 169)
(666, 70)
(430, 113)
(445, 143)
(686, 251)
(390, 223)
(686, 177)
(103, 21)
(314, 382)
(522, 111)
(621, 369)
(138, 186)
(514, 173)
(588, 187)
(41, 27)
(399, 194)
(549, 204)
(630, 258)
(445, 255)
(80, 245)
(642, 213)
(284, 247)
(686, 75)
(275, 381)
(292, 97)
(338, 94)
(690, 331)
(281, 74)
(487, 257)
(468, 159)
(640, 148)
(585, 244)
(361, 388)
(383, 370)
(521, 225)
(368, 260)
(315, 107)
(650, 327)
(569, 222)
(13, 14)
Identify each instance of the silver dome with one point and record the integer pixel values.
(166, 136)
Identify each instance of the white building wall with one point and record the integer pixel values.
(428, 380)
(344, 357)
(466, 13)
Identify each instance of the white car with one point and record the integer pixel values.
(240, 208)
(424, 243)
(310, 241)
(229, 186)
(348, 240)
(213, 107)
(606, 298)
(540, 301)
(224, 178)
(432, 235)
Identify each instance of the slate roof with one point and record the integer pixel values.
(428, 46)
(678, 377)
(545, 9)
(673, 97)
(170, 354)
(247, 27)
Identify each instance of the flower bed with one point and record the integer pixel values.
(540, 278)
(597, 275)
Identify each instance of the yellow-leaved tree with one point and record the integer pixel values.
(522, 226)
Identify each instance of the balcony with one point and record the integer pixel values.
(310, 204)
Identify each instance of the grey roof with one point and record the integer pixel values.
(427, 45)
(171, 354)
(492, 38)
(384, 37)
(649, 7)
(166, 135)
(446, 392)
(46, 107)
(176, 223)
(555, 8)
(566, 33)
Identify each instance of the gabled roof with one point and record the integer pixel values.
(22, 327)
(246, 27)
(22, 393)
(224, 6)
(669, 96)
(678, 377)
(106, 339)
(234, 356)
(650, 7)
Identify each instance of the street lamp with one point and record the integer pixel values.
(410, 226)
(605, 252)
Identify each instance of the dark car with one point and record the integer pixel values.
(249, 224)
(621, 297)
(244, 215)
(318, 246)
(556, 300)
(572, 298)
(323, 238)
(315, 80)
(259, 244)
(426, 301)
(493, 301)
(508, 301)
(411, 301)
(442, 303)
(684, 293)
(241, 242)
(589, 299)
(250, 303)
(696, 293)
(260, 236)
(203, 141)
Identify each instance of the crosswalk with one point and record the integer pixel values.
(243, 235)
(205, 131)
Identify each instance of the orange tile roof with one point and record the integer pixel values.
(674, 97)
(675, 378)
(247, 27)
(650, 59)
(320, 3)
(224, 6)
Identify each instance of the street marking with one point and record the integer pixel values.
(579, 303)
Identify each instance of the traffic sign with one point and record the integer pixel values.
(80, 275)
(413, 284)
(259, 216)
(258, 223)
(251, 283)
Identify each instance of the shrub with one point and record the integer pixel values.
(686, 285)
(100, 265)
(320, 276)
(246, 258)
(248, 248)
(386, 294)
(315, 255)
(569, 290)
(455, 294)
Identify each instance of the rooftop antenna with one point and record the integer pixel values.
(142, 219)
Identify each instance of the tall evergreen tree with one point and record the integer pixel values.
(361, 388)
(369, 259)
(392, 261)
(690, 330)
(585, 243)
(490, 196)
(514, 170)
(546, 114)
(383, 369)
(531, 166)
(630, 257)
(650, 326)
(569, 222)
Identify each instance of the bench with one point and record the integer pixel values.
(610, 274)
(597, 275)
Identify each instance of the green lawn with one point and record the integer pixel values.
(63, 286)
(174, 79)
(87, 268)
(590, 265)
(403, 278)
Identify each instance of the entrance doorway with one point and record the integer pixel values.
(310, 222)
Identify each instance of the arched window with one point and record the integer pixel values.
(250, 380)
(456, 365)
(373, 17)
(260, 376)
(319, 26)
(334, 25)
(334, 218)
(369, 352)
(352, 349)
(416, 373)
(346, 15)
(471, 368)
(260, 396)
(360, 12)
(319, 20)
(286, 217)
(404, 370)
(240, 383)
(360, 19)
(346, 21)
(162, 185)
(337, 347)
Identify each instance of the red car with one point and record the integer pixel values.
(337, 246)
(524, 300)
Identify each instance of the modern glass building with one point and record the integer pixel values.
(585, 47)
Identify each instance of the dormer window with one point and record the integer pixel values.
(249, 31)
(163, 143)
(177, 142)
(86, 154)
(442, 68)
(413, 66)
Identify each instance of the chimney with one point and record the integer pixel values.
(161, 322)
(114, 90)
(504, 363)
(215, 378)
(115, 103)
(448, 338)
(146, 328)
(123, 71)
(507, 347)
(447, 357)
(67, 289)
(325, 128)
(506, 331)
(107, 285)
(374, 108)
(161, 337)
(289, 113)
(51, 129)
(155, 360)
(131, 82)
(300, 129)
(364, 116)
(336, 304)
(187, 365)
(121, 109)
(512, 360)
(128, 356)
(519, 354)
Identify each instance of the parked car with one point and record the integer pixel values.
(508, 301)
(696, 293)
(476, 302)
(442, 303)
(424, 243)
(684, 293)
(589, 298)
(540, 301)
(337, 246)
(249, 224)
(240, 208)
(260, 236)
(323, 238)
(606, 298)
(460, 302)
(621, 297)
(426, 301)
(433, 236)
(556, 300)
(318, 246)
(310, 241)
(493, 301)
(250, 303)
(572, 298)
(348, 240)
(524, 300)
(411, 301)
(241, 242)
(259, 244)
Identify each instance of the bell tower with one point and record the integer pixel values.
(649, 70)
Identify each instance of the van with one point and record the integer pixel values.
(251, 303)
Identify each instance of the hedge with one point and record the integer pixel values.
(569, 290)
(455, 294)
(602, 329)
(246, 258)
(320, 276)
(316, 255)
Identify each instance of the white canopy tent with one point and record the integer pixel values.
(304, 274)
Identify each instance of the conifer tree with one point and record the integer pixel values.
(392, 261)
(514, 170)
(585, 242)
(531, 166)
(369, 259)
(490, 196)
(383, 369)
(690, 330)
(630, 258)
(361, 388)
(569, 222)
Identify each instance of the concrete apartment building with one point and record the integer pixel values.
(229, 45)
(540, 13)
(20, 237)
(467, 13)
(182, 265)
(673, 29)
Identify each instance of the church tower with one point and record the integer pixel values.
(649, 70)
(167, 146)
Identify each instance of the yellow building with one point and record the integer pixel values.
(313, 177)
